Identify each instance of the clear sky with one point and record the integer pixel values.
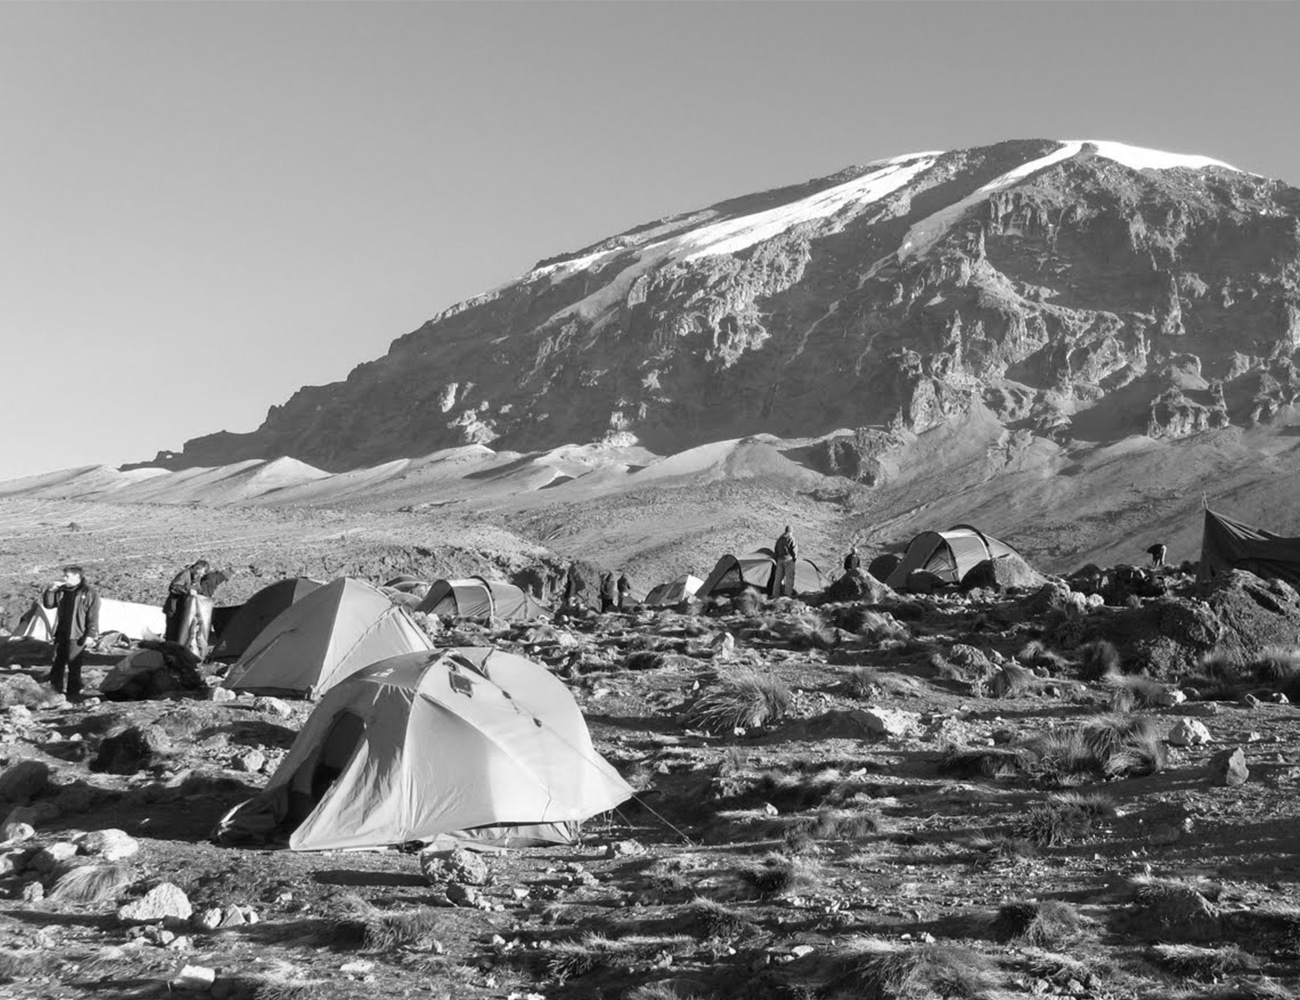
(204, 206)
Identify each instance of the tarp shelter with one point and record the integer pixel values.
(474, 743)
(135, 621)
(673, 592)
(735, 573)
(482, 599)
(1227, 545)
(256, 613)
(948, 555)
(404, 583)
(327, 636)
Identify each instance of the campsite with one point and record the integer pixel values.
(407, 774)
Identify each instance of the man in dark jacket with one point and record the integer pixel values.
(786, 551)
(852, 561)
(183, 586)
(624, 592)
(77, 627)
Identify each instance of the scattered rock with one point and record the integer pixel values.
(889, 721)
(163, 902)
(272, 706)
(16, 833)
(462, 895)
(33, 892)
(209, 919)
(1189, 733)
(110, 844)
(1228, 767)
(457, 865)
(251, 762)
(1168, 699)
(220, 694)
(24, 780)
(194, 978)
(132, 750)
(625, 849)
(51, 856)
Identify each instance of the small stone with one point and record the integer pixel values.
(457, 865)
(1168, 699)
(233, 917)
(520, 892)
(625, 849)
(48, 858)
(1228, 767)
(194, 978)
(357, 968)
(16, 833)
(110, 844)
(462, 895)
(164, 901)
(802, 950)
(1280, 698)
(272, 706)
(209, 919)
(250, 762)
(221, 694)
(1189, 733)
(770, 809)
(33, 892)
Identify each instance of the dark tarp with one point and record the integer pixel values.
(1227, 545)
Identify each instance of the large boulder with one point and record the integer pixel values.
(164, 901)
(883, 566)
(1004, 572)
(856, 585)
(132, 750)
(24, 780)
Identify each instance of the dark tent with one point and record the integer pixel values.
(260, 610)
(1227, 545)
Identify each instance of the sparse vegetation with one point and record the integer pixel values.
(742, 698)
(1207, 964)
(878, 969)
(1042, 924)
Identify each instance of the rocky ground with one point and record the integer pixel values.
(983, 795)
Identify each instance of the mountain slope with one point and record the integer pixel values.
(1077, 290)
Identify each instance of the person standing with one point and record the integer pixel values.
(787, 552)
(852, 561)
(608, 593)
(1157, 553)
(571, 586)
(77, 627)
(183, 586)
(624, 591)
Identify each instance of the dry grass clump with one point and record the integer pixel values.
(876, 626)
(1037, 654)
(365, 925)
(1275, 665)
(1098, 659)
(716, 920)
(872, 969)
(91, 884)
(982, 762)
(742, 698)
(1128, 692)
(776, 875)
(17, 966)
(1065, 818)
(1042, 924)
(806, 631)
(747, 602)
(1206, 964)
(569, 959)
(666, 990)
(791, 792)
(864, 683)
(1013, 681)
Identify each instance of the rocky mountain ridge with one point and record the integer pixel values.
(1079, 290)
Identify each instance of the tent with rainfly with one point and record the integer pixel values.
(756, 570)
(948, 555)
(454, 743)
(242, 627)
(678, 591)
(480, 598)
(135, 621)
(322, 639)
(1227, 544)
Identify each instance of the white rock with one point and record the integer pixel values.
(194, 978)
(16, 833)
(1189, 733)
(888, 721)
(49, 858)
(273, 706)
(209, 919)
(1168, 699)
(110, 844)
(164, 901)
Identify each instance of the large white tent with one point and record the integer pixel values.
(475, 743)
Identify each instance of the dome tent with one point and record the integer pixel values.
(323, 638)
(471, 743)
(948, 555)
(673, 592)
(756, 570)
(256, 613)
(479, 598)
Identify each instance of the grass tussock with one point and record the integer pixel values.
(1275, 665)
(877, 626)
(91, 884)
(716, 920)
(864, 683)
(742, 698)
(982, 762)
(806, 631)
(1013, 681)
(1037, 654)
(666, 990)
(18, 965)
(1065, 818)
(1098, 659)
(775, 876)
(1205, 964)
(795, 791)
(1129, 692)
(373, 929)
(570, 959)
(1043, 924)
(882, 970)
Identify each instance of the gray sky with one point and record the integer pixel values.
(205, 206)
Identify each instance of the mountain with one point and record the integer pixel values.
(1077, 290)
